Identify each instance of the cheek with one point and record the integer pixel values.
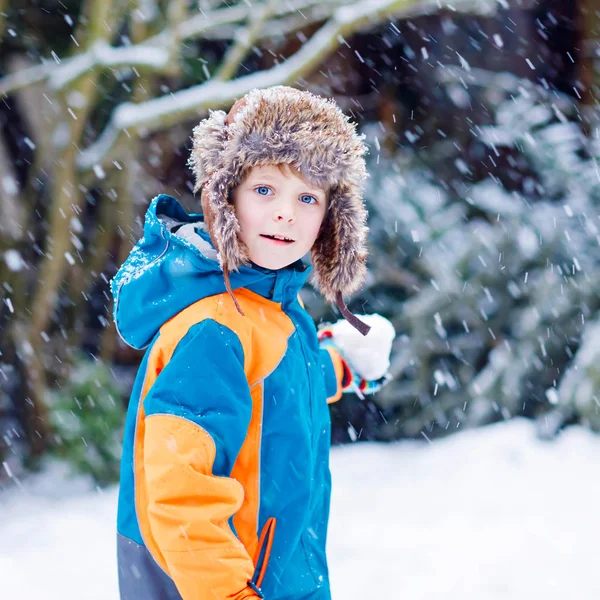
(247, 215)
(313, 226)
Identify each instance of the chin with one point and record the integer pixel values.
(273, 263)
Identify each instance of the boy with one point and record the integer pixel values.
(225, 480)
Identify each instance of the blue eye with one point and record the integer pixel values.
(311, 199)
(262, 187)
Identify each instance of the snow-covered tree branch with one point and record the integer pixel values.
(177, 107)
(154, 52)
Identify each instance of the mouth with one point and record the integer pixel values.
(278, 239)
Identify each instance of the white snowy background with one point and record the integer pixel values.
(489, 514)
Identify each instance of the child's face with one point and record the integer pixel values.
(271, 202)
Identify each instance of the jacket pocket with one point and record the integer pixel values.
(263, 553)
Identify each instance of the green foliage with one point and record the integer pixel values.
(87, 419)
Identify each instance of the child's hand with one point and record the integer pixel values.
(367, 357)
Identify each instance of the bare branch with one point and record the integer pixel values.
(37, 109)
(102, 54)
(11, 83)
(245, 37)
(202, 24)
(176, 14)
(66, 194)
(153, 53)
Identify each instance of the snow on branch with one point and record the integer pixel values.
(203, 23)
(155, 52)
(159, 113)
(100, 54)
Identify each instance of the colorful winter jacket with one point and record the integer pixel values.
(225, 481)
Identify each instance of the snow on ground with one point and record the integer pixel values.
(486, 514)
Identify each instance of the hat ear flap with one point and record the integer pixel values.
(324, 255)
(222, 223)
(208, 141)
(339, 255)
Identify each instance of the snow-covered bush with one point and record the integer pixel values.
(491, 291)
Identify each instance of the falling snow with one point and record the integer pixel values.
(484, 250)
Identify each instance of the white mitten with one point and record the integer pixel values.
(368, 357)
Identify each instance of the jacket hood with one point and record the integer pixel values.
(174, 265)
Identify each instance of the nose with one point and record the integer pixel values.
(285, 211)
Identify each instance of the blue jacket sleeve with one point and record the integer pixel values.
(204, 382)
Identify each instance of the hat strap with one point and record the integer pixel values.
(352, 319)
(230, 291)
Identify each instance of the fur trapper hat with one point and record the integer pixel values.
(282, 125)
